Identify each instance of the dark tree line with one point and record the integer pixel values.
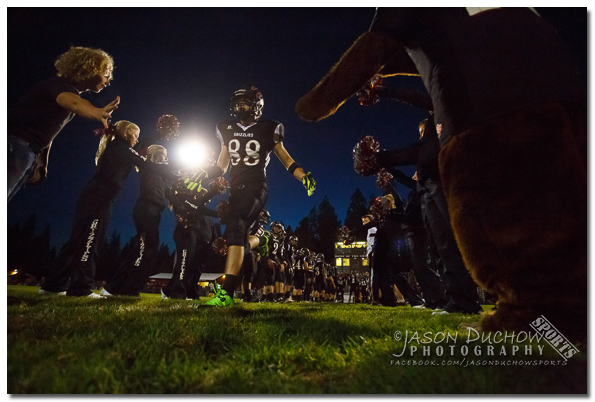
(30, 252)
(31, 255)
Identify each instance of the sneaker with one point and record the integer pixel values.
(48, 293)
(105, 293)
(163, 295)
(419, 306)
(450, 308)
(93, 295)
(441, 312)
(222, 299)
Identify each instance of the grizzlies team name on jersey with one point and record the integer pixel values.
(249, 148)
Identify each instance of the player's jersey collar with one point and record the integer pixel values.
(245, 127)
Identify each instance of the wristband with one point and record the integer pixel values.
(293, 167)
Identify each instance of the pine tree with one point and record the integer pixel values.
(328, 225)
(109, 258)
(357, 208)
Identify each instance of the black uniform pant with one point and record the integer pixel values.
(428, 279)
(391, 265)
(190, 256)
(245, 203)
(76, 263)
(136, 267)
(461, 291)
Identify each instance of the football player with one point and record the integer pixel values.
(289, 251)
(246, 144)
(299, 278)
(277, 258)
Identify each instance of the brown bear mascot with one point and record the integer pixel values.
(510, 113)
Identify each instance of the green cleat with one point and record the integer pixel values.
(222, 299)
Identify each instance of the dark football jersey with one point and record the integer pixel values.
(299, 263)
(276, 249)
(249, 148)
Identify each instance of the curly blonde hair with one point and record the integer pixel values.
(81, 63)
(121, 129)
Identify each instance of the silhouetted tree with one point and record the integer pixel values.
(306, 230)
(357, 208)
(109, 258)
(328, 224)
(164, 261)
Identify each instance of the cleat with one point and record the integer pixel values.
(163, 295)
(48, 293)
(221, 299)
(442, 312)
(94, 296)
(105, 293)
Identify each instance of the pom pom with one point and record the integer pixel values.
(368, 95)
(168, 127)
(344, 235)
(219, 246)
(110, 130)
(378, 210)
(383, 179)
(218, 186)
(223, 211)
(365, 155)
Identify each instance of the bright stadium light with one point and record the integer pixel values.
(191, 154)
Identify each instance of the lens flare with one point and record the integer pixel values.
(191, 154)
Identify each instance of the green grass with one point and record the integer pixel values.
(65, 345)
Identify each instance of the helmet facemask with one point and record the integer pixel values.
(253, 98)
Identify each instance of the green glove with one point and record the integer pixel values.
(195, 182)
(309, 183)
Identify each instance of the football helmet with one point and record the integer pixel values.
(303, 252)
(320, 257)
(278, 225)
(253, 97)
(293, 240)
(264, 216)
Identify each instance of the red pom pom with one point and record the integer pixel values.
(368, 95)
(219, 246)
(383, 179)
(110, 130)
(168, 127)
(365, 153)
(218, 186)
(378, 210)
(344, 235)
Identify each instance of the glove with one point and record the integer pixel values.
(309, 183)
(195, 182)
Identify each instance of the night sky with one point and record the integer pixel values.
(187, 62)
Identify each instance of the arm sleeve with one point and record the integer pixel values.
(402, 178)
(279, 133)
(400, 156)
(141, 162)
(409, 97)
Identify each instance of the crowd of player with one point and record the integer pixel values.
(277, 270)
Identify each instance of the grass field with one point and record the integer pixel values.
(64, 345)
